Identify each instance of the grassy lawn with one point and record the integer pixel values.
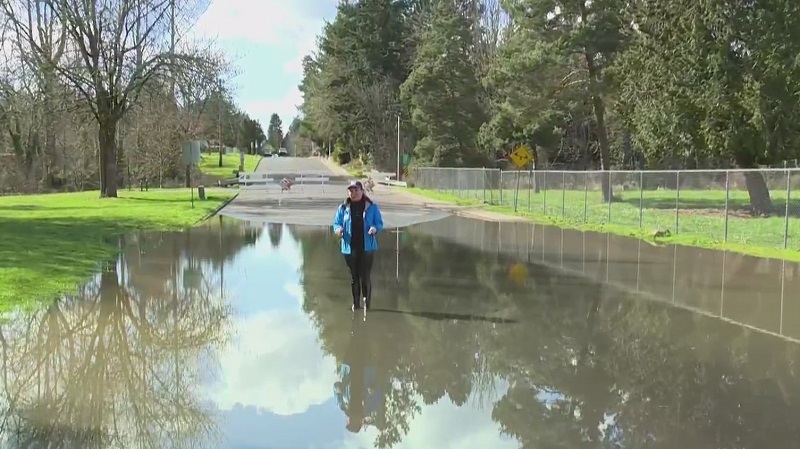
(53, 242)
(356, 168)
(700, 216)
(209, 164)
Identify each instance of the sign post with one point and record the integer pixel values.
(191, 157)
(406, 163)
(520, 157)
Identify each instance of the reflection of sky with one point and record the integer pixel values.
(274, 363)
(274, 386)
(444, 425)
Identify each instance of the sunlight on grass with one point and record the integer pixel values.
(700, 216)
(209, 164)
(53, 242)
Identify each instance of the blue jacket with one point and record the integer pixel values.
(372, 218)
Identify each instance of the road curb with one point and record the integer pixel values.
(255, 169)
(213, 213)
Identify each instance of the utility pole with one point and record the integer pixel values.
(399, 173)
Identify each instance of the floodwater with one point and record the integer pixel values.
(481, 335)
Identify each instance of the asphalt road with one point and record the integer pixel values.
(316, 204)
(296, 166)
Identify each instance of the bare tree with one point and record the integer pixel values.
(114, 48)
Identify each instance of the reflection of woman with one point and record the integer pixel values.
(357, 393)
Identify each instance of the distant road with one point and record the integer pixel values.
(296, 166)
(315, 204)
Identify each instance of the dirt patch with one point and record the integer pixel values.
(715, 212)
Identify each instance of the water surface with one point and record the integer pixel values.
(482, 335)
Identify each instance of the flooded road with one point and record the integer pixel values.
(482, 335)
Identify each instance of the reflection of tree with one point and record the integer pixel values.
(150, 255)
(417, 356)
(275, 232)
(647, 374)
(589, 366)
(118, 364)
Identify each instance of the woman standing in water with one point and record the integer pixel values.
(357, 221)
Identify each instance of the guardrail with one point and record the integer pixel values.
(254, 180)
(393, 183)
(313, 180)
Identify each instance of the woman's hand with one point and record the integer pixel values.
(372, 231)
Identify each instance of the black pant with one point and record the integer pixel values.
(360, 265)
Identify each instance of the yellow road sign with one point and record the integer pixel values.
(521, 157)
(405, 172)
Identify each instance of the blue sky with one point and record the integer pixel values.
(266, 40)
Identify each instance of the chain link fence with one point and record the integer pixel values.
(749, 207)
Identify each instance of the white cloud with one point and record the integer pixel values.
(304, 48)
(275, 34)
(285, 107)
(271, 22)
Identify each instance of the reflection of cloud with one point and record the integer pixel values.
(445, 425)
(276, 388)
(296, 291)
(276, 365)
(288, 251)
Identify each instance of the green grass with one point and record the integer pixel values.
(700, 216)
(356, 168)
(51, 243)
(209, 164)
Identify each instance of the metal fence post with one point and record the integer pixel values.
(786, 218)
(677, 199)
(610, 196)
(585, 196)
(500, 183)
(531, 182)
(563, 194)
(458, 183)
(641, 198)
(727, 200)
(483, 172)
(544, 193)
(491, 172)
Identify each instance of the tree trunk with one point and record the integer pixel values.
(599, 116)
(107, 136)
(540, 162)
(760, 201)
(53, 162)
(605, 151)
